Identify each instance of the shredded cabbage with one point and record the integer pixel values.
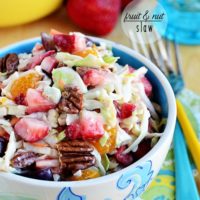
(42, 150)
(66, 76)
(143, 132)
(52, 93)
(123, 137)
(11, 148)
(89, 61)
(147, 101)
(98, 162)
(67, 58)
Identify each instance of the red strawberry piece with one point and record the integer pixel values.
(74, 131)
(70, 43)
(96, 16)
(94, 77)
(85, 128)
(37, 59)
(36, 102)
(91, 129)
(31, 130)
(123, 159)
(48, 64)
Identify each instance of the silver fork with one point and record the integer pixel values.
(160, 54)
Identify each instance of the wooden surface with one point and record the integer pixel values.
(58, 20)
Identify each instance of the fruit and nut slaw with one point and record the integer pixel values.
(69, 111)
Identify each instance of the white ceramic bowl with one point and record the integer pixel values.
(126, 184)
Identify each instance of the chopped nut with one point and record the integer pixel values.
(75, 155)
(71, 101)
(23, 159)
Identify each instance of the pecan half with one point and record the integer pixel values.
(23, 159)
(9, 63)
(71, 101)
(75, 155)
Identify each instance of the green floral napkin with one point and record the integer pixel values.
(163, 186)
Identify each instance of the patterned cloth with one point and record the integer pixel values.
(163, 186)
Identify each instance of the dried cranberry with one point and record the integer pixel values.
(143, 148)
(20, 100)
(125, 110)
(123, 159)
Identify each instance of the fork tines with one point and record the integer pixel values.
(156, 51)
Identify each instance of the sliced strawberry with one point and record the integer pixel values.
(31, 130)
(37, 59)
(126, 110)
(36, 102)
(74, 131)
(94, 77)
(123, 159)
(86, 128)
(48, 64)
(69, 43)
(91, 129)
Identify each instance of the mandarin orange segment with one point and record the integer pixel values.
(87, 51)
(22, 84)
(86, 174)
(110, 144)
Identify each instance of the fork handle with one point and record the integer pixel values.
(189, 133)
(185, 184)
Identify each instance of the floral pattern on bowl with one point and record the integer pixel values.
(136, 180)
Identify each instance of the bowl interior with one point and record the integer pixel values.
(162, 94)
